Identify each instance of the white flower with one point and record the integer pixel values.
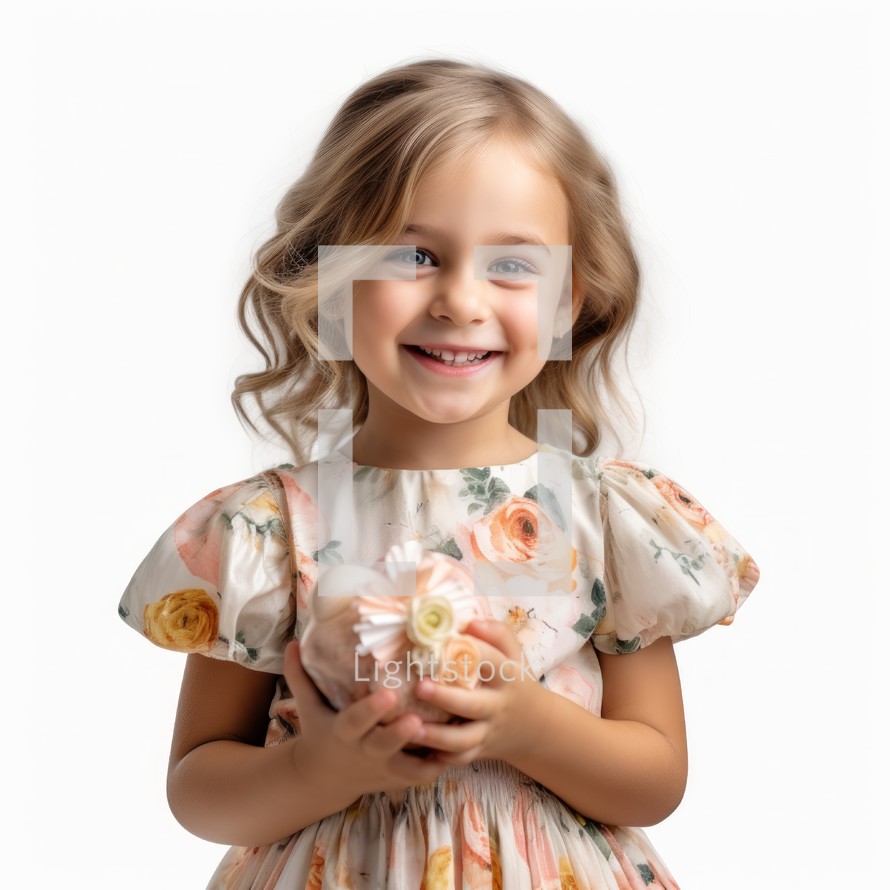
(430, 620)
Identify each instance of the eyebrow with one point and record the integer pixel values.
(502, 238)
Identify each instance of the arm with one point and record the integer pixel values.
(225, 786)
(627, 767)
(222, 784)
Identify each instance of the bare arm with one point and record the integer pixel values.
(224, 786)
(626, 767)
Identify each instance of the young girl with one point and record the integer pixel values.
(580, 730)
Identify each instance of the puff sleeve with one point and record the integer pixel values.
(670, 569)
(218, 581)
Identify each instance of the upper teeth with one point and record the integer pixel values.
(450, 356)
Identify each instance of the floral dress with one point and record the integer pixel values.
(621, 555)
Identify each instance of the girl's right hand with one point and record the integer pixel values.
(350, 748)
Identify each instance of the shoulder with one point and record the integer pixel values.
(218, 579)
(671, 569)
(249, 506)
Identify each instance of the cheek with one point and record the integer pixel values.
(523, 323)
(383, 301)
(380, 313)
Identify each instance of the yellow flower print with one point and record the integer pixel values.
(566, 875)
(316, 869)
(184, 621)
(516, 617)
(497, 879)
(438, 870)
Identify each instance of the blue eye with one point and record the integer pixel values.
(512, 267)
(411, 256)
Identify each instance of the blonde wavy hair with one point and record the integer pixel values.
(359, 188)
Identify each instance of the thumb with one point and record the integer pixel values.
(302, 687)
(298, 681)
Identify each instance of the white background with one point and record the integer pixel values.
(146, 147)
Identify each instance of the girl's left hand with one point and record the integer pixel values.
(500, 711)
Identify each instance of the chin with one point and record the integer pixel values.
(448, 415)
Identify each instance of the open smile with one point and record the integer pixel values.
(451, 368)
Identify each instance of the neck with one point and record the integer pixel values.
(419, 445)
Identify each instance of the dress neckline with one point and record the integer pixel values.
(527, 461)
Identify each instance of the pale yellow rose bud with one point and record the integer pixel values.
(430, 619)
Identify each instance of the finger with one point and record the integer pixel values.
(310, 699)
(294, 674)
(490, 658)
(505, 652)
(298, 681)
(361, 717)
(293, 665)
(387, 740)
(417, 770)
(460, 758)
(473, 704)
(454, 737)
(498, 633)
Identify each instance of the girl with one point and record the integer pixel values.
(579, 730)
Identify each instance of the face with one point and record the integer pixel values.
(452, 294)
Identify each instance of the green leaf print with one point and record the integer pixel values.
(597, 837)
(627, 646)
(361, 472)
(450, 548)
(585, 625)
(284, 467)
(487, 491)
(687, 563)
(123, 611)
(579, 470)
(598, 596)
(646, 874)
(376, 482)
(248, 654)
(438, 803)
(328, 555)
(272, 526)
(548, 503)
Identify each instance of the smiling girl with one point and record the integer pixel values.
(472, 184)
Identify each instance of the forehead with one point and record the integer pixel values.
(497, 193)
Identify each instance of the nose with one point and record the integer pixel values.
(460, 297)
